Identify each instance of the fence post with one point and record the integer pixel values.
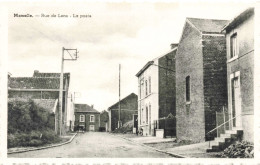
(217, 122)
(165, 120)
(224, 119)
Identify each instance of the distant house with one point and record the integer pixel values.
(104, 118)
(128, 106)
(201, 83)
(86, 118)
(240, 72)
(44, 87)
(156, 86)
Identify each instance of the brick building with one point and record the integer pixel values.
(201, 88)
(42, 86)
(128, 106)
(240, 72)
(156, 86)
(86, 118)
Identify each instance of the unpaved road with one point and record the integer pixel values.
(92, 145)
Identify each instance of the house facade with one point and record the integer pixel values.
(86, 118)
(128, 107)
(201, 88)
(41, 86)
(156, 86)
(240, 72)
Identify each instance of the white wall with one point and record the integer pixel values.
(150, 99)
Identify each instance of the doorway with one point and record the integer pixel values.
(236, 101)
(91, 128)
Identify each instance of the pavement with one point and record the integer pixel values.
(150, 140)
(95, 145)
(197, 150)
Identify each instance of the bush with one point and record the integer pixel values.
(49, 136)
(35, 142)
(126, 128)
(11, 141)
(241, 149)
(29, 125)
(25, 116)
(34, 138)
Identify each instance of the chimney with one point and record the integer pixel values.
(92, 106)
(36, 71)
(174, 45)
(9, 75)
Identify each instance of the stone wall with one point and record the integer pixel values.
(167, 92)
(190, 116)
(214, 78)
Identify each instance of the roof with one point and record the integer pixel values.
(48, 104)
(149, 63)
(130, 95)
(208, 25)
(239, 19)
(50, 75)
(33, 83)
(84, 108)
(144, 68)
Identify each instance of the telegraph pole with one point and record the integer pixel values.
(61, 83)
(119, 106)
(60, 93)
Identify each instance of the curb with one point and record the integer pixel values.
(41, 148)
(158, 150)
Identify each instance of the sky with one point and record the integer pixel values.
(129, 34)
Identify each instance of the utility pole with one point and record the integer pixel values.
(61, 83)
(119, 106)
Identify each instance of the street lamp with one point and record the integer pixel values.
(72, 58)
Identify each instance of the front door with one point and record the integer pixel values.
(91, 128)
(236, 103)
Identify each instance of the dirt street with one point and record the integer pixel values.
(95, 144)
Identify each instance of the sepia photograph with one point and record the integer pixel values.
(131, 79)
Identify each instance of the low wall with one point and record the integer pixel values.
(160, 133)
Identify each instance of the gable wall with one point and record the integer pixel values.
(189, 62)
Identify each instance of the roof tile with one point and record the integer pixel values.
(208, 25)
(34, 83)
(84, 108)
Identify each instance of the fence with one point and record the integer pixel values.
(167, 124)
(221, 123)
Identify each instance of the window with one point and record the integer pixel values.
(146, 115)
(233, 45)
(82, 118)
(150, 114)
(169, 62)
(146, 88)
(149, 84)
(92, 118)
(187, 88)
(141, 116)
(141, 88)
